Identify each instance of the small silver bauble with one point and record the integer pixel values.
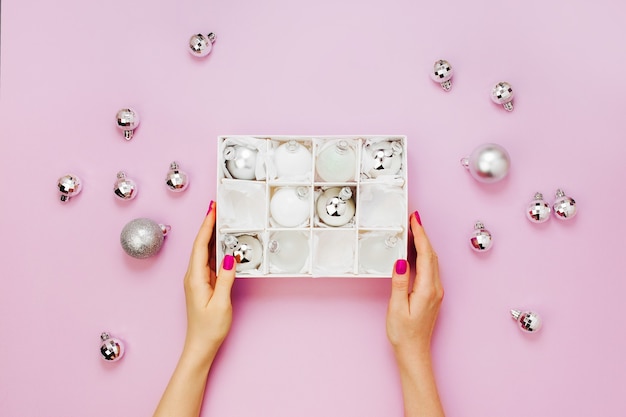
(481, 240)
(127, 121)
(538, 210)
(124, 188)
(502, 94)
(200, 45)
(142, 238)
(241, 162)
(442, 73)
(246, 249)
(529, 322)
(176, 180)
(69, 186)
(488, 163)
(382, 158)
(335, 207)
(111, 349)
(564, 206)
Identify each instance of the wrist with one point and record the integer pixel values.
(198, 355)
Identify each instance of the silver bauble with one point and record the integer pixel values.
(111, 349)
(564, 206)
(241, 162)
(528, 321)
(481, 240)
(247, 251)
(442, 73)
(200, 45)
(176, 180)
(488, 163)
(142, 238)
(69, 186)
(335, 206)
(502, 94)
(538, 211)
(127, 120)
(382, 158)
(124, 188)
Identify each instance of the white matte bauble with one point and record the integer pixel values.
(336, 162)
(528, 321)
(335, 206)
(292, 159)
(377, 253)
(241, 162)
(564, 206)
(538, 210)
(290, 206)
(288, 252)
(488, 163)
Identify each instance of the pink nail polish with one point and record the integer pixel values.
(401, 266)
(210, 207)
(229, 262)
(417, 217)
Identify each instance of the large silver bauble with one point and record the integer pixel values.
(528, 321)
(127, 121)
(502, 94)
(124, 188)
(247, 251)
(111, 349)
(481, 240)
(564, 206)
(69, 186)
(382, 158)
(241, 162)
(200, 45)
(335, 206)
(142, 238)
(176, 180)
(488, 163)
(538, 211)
(442, 73)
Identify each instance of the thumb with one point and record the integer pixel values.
(399, 285)
(225, 278)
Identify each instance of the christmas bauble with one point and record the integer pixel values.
(241, 162)
(502, 94)
(175, 179)
(442, 73)
(377, 253)
(69, 186)
(127, 121)
(335, 206)
(528, 321)
(336, 162)
(111, 349)
(290, 206)
(288, 252)
(247, 251)
(200, 45)
(564, 206)
(538, 210)
(292, 159)
(480, 240)
(142, 238)
(382, 158)
(124, 188)
(488, 163)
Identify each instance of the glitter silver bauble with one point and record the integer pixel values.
(488, 163)
(502, 94)
(241, 162)
(127, 120)
(564, 206)
(200, 45)
(124, 188)
(111, 349)
(69, 186)
(529, 322)
(247, 251)
(382, 158)
(335, 206)
(481, 240)
(442, 73)
(538, 210)
(176, 180)
(142, 238)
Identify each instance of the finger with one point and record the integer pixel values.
(399, 285)
(225, 278)
(420, 239)
(426, 273)
(200, 251)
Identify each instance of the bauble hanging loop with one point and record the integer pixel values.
(488, 163)
(124, 188)
(200, 45)
(127, 121)
(111, 349)
(538, 211)
(480, 240)
(564, 206)
(442, 74)
(528, 321)
(176, 180)
(502, 94)
(69, 186)
(142, 238)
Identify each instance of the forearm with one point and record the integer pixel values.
(419, 388)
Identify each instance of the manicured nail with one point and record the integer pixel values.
(229, 262)
(401, 266)
(417, 217)
(210, 207)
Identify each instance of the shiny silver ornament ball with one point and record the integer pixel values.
(480, 240)
(142, 238)
(564, 206)
(69, 186)
(502, 94)
(127, 121)
(335, 206)
(382, 158)
(247, 251)
(528, 321)
(442, 74)
(241, 162)
(200, 45)
(488, 163)
(176, 180)
(111, 349)
(124, 188)
(538, 211)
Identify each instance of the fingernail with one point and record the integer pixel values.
(229, 262)
(401, 266)
(417, 217)
(210, 207)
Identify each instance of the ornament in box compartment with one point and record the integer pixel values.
(243, 158)
(292, 160)
(290, 206)
(336, 207)
(378, 251)
(381, 158)
(246, 249)
(288, 252)
(336, 161)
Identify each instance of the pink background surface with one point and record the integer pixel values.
(311, 347)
